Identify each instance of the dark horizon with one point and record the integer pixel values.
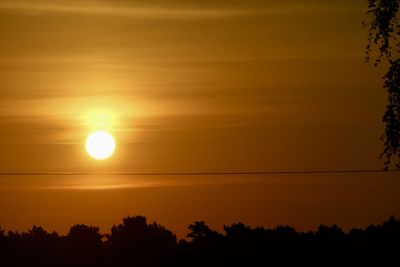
(185, 237)
(137, 242)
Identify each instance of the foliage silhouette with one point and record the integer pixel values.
(135, 242)
(384, 32)
(85, 246)
(138, 243)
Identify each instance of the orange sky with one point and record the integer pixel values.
(190, 86)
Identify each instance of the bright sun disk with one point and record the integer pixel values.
(100, 145)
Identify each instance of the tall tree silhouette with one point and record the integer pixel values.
(138, 243)
(384, 33)
(85, 246)
(206, 246)
(37, 247)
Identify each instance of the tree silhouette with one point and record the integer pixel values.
(200, 232)
(84, 235)
(2, 242)
(37, 247)
(205, 247)
(85, 246)
(138, 243)
(384, 33)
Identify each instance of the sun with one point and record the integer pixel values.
(100, 145)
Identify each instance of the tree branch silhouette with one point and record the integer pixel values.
(384, 32)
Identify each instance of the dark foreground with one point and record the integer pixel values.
(138, 243)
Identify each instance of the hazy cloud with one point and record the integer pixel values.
(118, 10)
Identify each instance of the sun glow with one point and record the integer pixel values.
(100, 145)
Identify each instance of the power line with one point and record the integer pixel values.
(261, 173)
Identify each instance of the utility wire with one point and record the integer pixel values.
(260, 173)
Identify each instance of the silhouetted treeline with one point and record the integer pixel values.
(135, 242)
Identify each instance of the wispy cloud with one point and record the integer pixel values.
(117, 10)
(112, 182)
(174, 12)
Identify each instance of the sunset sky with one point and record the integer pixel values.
(191, 86)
